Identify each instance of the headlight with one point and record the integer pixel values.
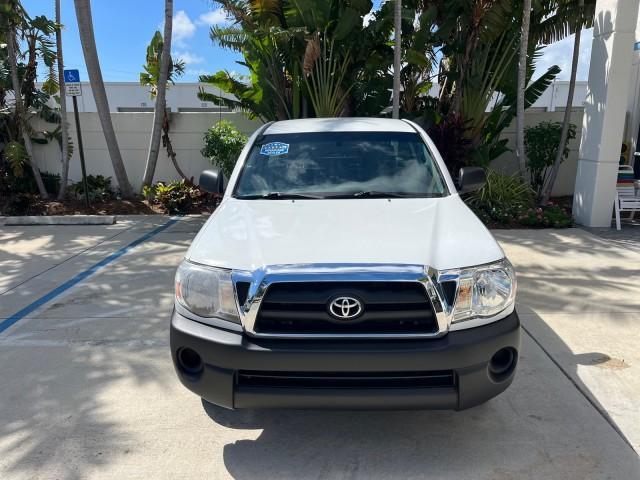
(206, 292)
(485, 291)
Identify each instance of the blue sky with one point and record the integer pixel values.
(123, 29)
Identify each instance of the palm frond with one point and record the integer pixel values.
(563, 21)
(239, 10)
(324, 83)
(266, 7)
(232, 37)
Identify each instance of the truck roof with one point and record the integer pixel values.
(347, 124)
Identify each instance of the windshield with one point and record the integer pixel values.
(339, 165)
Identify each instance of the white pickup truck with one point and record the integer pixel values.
(342, 270)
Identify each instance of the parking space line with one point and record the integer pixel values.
(10, 289)
(13, 319)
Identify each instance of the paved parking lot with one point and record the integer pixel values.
(87, 388)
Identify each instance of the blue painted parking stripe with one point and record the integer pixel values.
(6, 323)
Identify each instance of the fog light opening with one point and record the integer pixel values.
(189, 360)
(502, 364)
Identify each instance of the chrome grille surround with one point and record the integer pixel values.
(262, 278)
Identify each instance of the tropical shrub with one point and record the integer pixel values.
(541, 143)
(473, 45)
(508, 201)
(222, 145)
(449, 137)
(33, 51)
(285, 45)
(503, 198)
(98, 186)
(174, 197)
(11, 184)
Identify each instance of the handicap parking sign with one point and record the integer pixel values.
(71, 76)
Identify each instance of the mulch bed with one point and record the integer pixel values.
(112, 207)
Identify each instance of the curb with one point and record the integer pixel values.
(59, 220)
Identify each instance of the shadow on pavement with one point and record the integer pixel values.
(60, 411)
(548, 424)
(59, 368)
(541, 427)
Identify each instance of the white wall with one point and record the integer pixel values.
(567, 176)
(556, 95)
(133, 131)
(633, 103)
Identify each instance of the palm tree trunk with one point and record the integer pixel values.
(555, 168)
(397, 52)
(64, 126)
(20, 111)
(87, 39)
(166, 141)
(161, 105)
(522, 80)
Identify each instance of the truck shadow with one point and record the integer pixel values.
(541, 427)
(548, 424)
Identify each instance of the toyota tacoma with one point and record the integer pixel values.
(343, 270)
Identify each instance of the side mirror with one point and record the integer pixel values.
(213, 181)
(471, 179)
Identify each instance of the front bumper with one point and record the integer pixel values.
(225, 354)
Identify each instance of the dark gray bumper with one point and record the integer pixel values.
(466, 353)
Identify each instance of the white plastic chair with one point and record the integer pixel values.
(626, 199)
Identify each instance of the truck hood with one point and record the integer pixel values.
(249, 234)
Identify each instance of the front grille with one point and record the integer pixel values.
(346, 380)
(389, 308)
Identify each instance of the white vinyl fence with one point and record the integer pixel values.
(133, 131)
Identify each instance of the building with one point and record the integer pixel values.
(133, 97)
(182, 97)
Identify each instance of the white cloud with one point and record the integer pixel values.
(212, 17)
(560, 54)
(187, 57)
(193, 73)
(183, 28)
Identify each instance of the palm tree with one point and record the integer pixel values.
(397, 21)
(11, 18)
(522, 76)
(152, 78)
(64, 127)
(569, 17)
(87, 39)
(159, 113)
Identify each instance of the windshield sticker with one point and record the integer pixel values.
(274, 148)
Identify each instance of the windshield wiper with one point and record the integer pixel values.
(369, 194)
(380, 194)
(277, 196)
(376, 194)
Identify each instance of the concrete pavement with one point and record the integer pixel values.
(87, 389)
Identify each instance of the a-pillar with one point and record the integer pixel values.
(604, 111)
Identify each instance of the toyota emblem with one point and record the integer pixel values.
(345, 308)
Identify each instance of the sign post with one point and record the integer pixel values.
(74, 90)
